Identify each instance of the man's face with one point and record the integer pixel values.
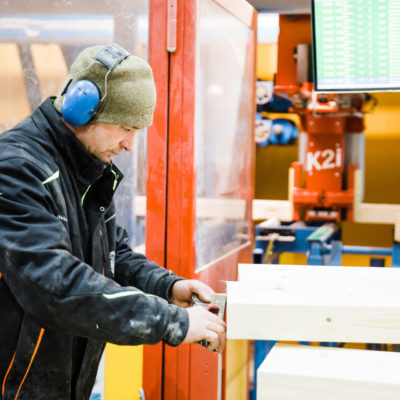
(104, 140)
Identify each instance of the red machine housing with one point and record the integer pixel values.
(322, 186)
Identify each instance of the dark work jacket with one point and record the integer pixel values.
(69, 281)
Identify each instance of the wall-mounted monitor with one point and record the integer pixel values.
(356, 45)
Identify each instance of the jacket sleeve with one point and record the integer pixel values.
(135, 269)
(61, 291)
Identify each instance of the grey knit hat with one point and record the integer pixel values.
(131, 93)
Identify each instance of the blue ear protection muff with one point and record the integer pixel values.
(82, 101)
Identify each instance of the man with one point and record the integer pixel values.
(69, 281)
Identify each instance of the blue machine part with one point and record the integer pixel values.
(277, 131)
(295, 238)
(319, 250)
(261, 350)
(283, 131)
(396, 255)
(277, 103)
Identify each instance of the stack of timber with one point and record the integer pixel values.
(322, 304)
(292, 372)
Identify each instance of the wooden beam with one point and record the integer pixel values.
(397, 228)
(315, 373)
(50, 68)
(266, 209)
(208, 208)
(315, 303)
(280, 210)
(14, 104)
(378, 213)
(370, 213)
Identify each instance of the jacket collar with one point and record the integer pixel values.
(85, 166)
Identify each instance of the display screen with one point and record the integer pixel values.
(356, 45)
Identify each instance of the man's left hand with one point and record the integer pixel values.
(182, 292)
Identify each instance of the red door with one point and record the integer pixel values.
(201, 161)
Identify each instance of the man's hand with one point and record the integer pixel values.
(182, 292)
(205, 325)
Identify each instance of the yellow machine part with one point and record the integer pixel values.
(267, 59)
(123, 372)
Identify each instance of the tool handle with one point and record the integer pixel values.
(213, 310)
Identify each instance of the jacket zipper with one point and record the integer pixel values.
(116, 177)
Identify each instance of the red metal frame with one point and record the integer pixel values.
(188, 368)
(157, 179)
(292, 31)
(187, 371)
(181, 197)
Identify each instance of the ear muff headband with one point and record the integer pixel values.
(83, 100)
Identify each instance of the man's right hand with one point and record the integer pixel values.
(205, 325)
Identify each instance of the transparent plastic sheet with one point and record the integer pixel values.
(38, 42)
(223, 132)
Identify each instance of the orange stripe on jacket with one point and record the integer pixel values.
(6, 375)
(30, 363)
